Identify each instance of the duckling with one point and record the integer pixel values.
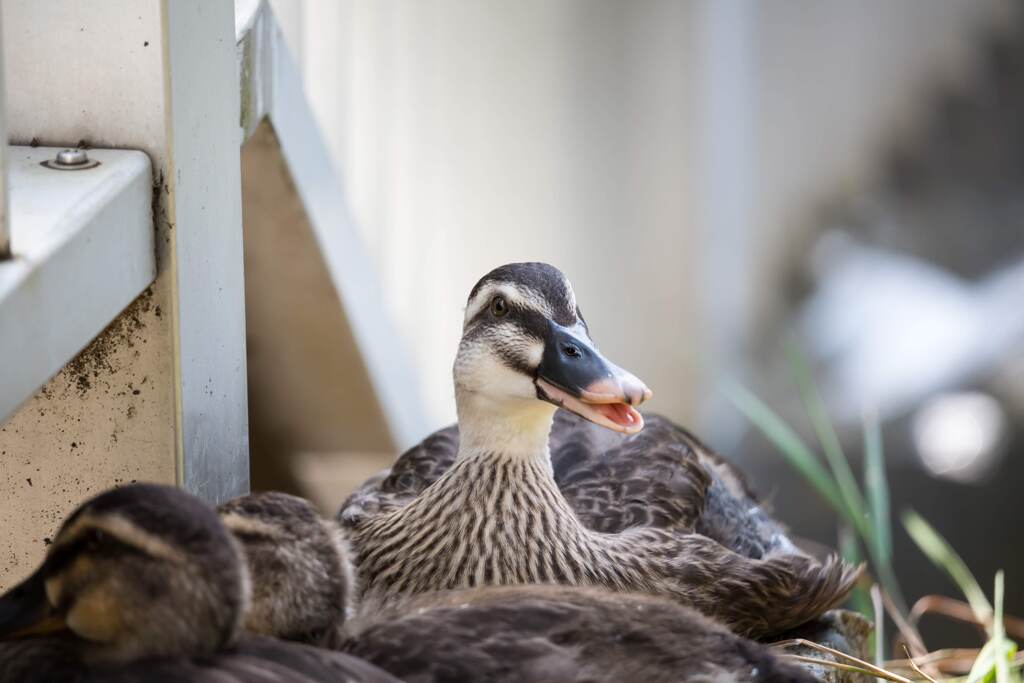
(143, 583)
(508, 634)
(303, 583)
(493, 513)
(559, 634)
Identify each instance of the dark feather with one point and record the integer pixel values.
(253, 660)
(551, 634)
(662, 479)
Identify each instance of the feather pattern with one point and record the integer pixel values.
(655, 512)
(252, 660)
(555, 634)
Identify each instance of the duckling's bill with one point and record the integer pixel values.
(25, 611)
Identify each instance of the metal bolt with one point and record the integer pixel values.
(72, 157)
(71, 160)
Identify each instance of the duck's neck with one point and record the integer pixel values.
(516, 429)
(495, 517)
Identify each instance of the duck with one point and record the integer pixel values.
(653, 512)
(303, 586)
(663, 477)
(500, 634)
(141, 583)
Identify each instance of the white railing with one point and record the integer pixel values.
(5, 237)
(84, 250)
(139, 259)
(160, 78)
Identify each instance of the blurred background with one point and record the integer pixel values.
(721, 180)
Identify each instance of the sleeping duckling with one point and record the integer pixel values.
(303, 583)
(143, 583)
(500, 634)
(558, 634)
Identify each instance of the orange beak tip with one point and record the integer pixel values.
(45, 627)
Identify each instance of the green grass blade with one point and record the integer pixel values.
(942, 555)
(983, 665)
(829, 440)
(854, 509)
(876, 487)
(791, 446)
(1005, 649)
(993, 662)
(849, 549)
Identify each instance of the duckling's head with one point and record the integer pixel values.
(526, 347)
(300, 566)
(140, 571)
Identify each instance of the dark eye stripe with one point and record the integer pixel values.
(517, 313)
(528, 323)
(92, 541)
(533, 322)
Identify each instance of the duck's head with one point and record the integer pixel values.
(300, 567)
(140, 571)
(525, 347)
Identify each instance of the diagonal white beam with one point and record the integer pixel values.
(271, 88)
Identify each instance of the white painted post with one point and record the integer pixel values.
(206, 214)
(5, 233)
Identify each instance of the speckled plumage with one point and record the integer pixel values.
(655, 512)
(494, 521)
(302, 580)
(663, 477)
(555, 634)
(535, 634)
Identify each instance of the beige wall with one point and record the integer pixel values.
(594, 134)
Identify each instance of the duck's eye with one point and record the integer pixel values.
(498, 306)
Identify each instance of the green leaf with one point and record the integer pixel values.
(880, 516)
(876, 486)
(942, 555)
(981, 670)
(1005, 648)
(829, 440)
(849, 549)
(789, 444)
(855, 510)
(993, 662)
(807, 463)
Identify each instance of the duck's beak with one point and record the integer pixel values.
(574, 375)
(25, 611)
